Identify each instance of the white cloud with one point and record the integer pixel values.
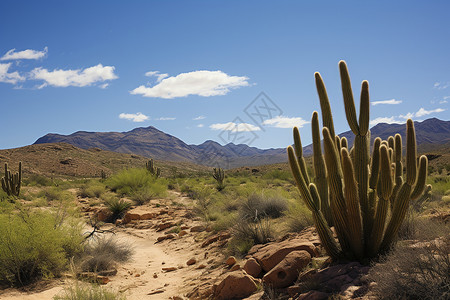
(138, 117)
(285, 122)
(392, 101)
(79, 78)
(200, 125)
(25, 54)
(103, 86)
(401, 119)
(165, 119)
(390, 120)
(443, 101)
(156, 74)
(235, 127)
(202, 83)
(441, 86)
(422, 112)
(199, 118)
(12, 77)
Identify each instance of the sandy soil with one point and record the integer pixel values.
(144, 277)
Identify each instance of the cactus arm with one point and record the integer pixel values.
(299, 152)
(344, 142)
(327, 117)
(421, 178)
(337, 203)
(320, 171)
(364, 109)
(347, 93)
(352, 203)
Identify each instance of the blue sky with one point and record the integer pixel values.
(191, 68)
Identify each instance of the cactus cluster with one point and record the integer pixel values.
(219, 176)
(364, 197)
(150, 166)
(11, 183)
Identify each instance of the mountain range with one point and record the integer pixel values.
(151, 142)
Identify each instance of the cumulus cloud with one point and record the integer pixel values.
(422, 112)
(7, 77)
(199, 118)
(25, 54)
(285, 122)
(156, 74)
(234, 127)
(402, 118)
(165, 119)
(201, 83)
(138, 117)
(392, 101)
(78, 78)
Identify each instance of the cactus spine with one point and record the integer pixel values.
(11, 183)
(219, 176)
(352, 190)
(150, 166)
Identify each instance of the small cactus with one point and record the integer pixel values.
(11, 183)
(219, 176)
(152, 169)
(351, 190)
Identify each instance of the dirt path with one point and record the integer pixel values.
(144, 276)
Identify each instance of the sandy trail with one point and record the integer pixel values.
(143, 277)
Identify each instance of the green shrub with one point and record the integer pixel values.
(91, 189)
(55, 193)
(37, 180)
(103, 254)
(79, 291)
(145, 194)
(130, 181)
(35, 244)
(298, 217)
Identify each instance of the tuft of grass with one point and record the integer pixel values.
(91, 189)
(77, 291)
(262, 205)
(118, 207)
(104, 254)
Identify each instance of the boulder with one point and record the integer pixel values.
(236, 284)
(286, 272)
(313, 295)
(191, 261)
(273, 253)
(252, 267)
(230, 261)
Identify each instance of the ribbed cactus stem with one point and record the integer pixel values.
(347, 93)
(327, 117)
(352, 203)
(320, 171)
(219, 176)
(11, 183)
(411, 167)
(338, 206)
(364, 109)
(299, 152)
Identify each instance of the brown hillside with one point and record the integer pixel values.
(62, 159)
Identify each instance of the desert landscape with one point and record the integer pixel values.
(199, 185)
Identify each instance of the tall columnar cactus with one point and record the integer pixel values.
(11, 183)
(219, 176)
(150, 166)
(352, 190)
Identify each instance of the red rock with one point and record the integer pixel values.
(252, 267)
(191, 261)
(165, 237)
(286, 272)
(272, 254)
(236, 284)
(103, 214)
(235, 267)
(165, 225)
(182, 233)
(170, 269)
(230, 261)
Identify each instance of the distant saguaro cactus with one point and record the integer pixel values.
(150, 166)
(219, 176)
(11, 183)
(353, 191)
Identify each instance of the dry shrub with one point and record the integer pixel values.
(415, 271)
(103, 254)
